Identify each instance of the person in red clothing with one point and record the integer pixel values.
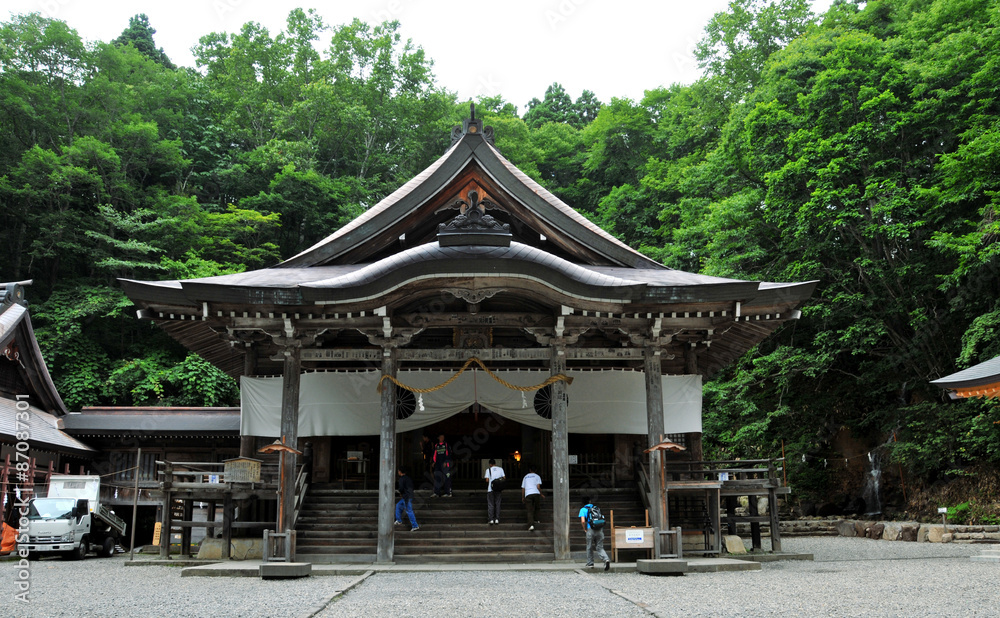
(442, 468)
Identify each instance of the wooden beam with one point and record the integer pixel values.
(430, 355)
(387, 461)
(560, 458)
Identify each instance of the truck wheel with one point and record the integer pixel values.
(81, 552)
(107, 548)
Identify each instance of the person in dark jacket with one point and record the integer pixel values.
(404, 485)
(442, 468)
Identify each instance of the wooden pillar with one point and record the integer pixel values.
(186, 530)
(168, 477)
(755, 541)
(227, 524)
(289, 434)
(247, 443)
(210, 516)
(560, 458)
(772, 506)
(654, 425)
(387, 461)
(695, 448)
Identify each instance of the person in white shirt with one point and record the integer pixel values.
(531, 495)
(493, 473)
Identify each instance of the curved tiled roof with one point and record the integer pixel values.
(986, 372)
(572, 227)
(425, 255)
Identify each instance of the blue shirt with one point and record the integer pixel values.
(583, 513)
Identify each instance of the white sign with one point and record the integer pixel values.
(634, 535)
(942, 509)
(573, 459)
(213, 478)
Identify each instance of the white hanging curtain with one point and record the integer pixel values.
(348, 404)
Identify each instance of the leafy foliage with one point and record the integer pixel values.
(860, 150)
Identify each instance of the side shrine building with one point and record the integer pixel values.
(577, 350)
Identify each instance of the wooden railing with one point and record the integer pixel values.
(197, 481)
(739, 477)
(733, 473)
(301, 487)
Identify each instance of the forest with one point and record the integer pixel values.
(860, 148)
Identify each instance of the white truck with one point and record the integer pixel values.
(71, 520)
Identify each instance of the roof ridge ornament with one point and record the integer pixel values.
(471, 125)
(473, 226)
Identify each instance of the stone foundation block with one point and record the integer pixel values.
(846, 528)
(734, 544)
(892, 531)
(241, 549)
(930, 533)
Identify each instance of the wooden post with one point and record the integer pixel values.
(560, 458)
(168, 477)
(186, 530)
(654, 425)
(210, 516)
(289, 434)
(754, 525)
(135, 503)
(772, 506)
(387, 460)
(227, 524)
(247, 443)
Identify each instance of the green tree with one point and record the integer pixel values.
(738, 42)
(139, 35)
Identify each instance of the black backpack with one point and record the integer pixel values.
(499, 484)
(595, 518)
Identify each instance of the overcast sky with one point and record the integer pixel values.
(616, 48)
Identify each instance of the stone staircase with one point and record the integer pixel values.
(338, 525)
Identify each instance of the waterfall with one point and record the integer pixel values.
(873, 480)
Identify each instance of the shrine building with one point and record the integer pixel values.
(472, 303)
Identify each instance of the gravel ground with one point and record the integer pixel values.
(482, 593)
(849, 577)
(67, 588)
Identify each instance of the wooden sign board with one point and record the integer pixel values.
(636, 537)
(156, 532)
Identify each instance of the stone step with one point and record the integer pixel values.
(477, 557)
(339, 526)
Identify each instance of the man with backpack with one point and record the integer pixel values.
(592, 521)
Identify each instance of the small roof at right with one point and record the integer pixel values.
(982, 380)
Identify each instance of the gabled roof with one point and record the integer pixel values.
(18, 343)
(472, 163)
(45, 429)
(28, 387)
